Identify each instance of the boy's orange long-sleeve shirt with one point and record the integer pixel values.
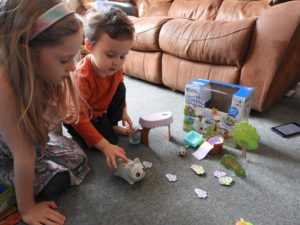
(97, 93)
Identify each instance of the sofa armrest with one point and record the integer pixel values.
(272, 63)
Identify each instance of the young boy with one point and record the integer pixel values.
(109, 36)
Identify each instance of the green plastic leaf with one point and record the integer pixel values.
(230, 162)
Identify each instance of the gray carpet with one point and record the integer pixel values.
(269, 195)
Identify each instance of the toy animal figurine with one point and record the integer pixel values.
(132, 171)
(182, 151)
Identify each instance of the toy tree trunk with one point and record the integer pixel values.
(244, 151)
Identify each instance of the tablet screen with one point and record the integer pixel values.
(288, 129)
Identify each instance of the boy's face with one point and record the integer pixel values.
(108, 54)
(54, 63)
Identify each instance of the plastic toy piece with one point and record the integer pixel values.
(200, 193)
(245, 136)
(217, 141)
(171, 177)
(243, 222)
(132, 171)
(230, 162)
(182, 151)
(135, 138)
(219, 174)
(198, 169)
(193, 139)
(155, 120)
(147, 164)
(226, 181)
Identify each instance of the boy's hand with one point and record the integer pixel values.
(126, 121)
(111, 153)
(43, 213)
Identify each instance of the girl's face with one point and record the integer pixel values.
(108, 54)
(54, 63)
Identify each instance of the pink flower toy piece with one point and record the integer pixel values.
(155, 120)
(219, 174)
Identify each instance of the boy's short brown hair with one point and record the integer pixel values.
(109, 20)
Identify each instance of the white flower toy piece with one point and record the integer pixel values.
(147, 164)
(200, 193)
(132, 171)
(171, 177)
(182, 151)
(198, 169)
(227, 181)
(219, 174)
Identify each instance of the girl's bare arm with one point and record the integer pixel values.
(23, 151)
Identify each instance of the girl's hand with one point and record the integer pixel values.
(126, 121)
(43, 213)
(111, 153)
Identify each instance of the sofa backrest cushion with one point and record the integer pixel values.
(241, 9)
(214, 42)
(195, 9)
(147, 32)
(155, 7)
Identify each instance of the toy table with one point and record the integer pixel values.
(155, 120)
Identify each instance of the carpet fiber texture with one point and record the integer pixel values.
(269, 195)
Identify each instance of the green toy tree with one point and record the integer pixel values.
(246, 136)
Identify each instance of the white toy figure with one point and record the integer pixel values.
(182, 151)
(132, 171)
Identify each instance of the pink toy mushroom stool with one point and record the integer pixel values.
(155, 120)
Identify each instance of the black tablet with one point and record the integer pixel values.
(287, 130)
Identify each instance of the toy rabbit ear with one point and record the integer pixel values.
(137, 160)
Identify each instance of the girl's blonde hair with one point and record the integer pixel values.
(39, 103)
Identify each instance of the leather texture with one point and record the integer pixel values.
(246, 42)
(155, 7)
(144, 65)
(147, 31)
(195, 9)
(214, 42)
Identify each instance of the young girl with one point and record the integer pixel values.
(109, 36)
(38, 42)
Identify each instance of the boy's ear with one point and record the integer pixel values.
(88, 45)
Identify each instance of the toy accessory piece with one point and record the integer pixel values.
(243, 222)
(246, 136)
(200, 193)
(226, 181)
(135, 138)
(198, 169)
(203, 150)
(147, 164)
(132, 171)
(182, 151)
(217, 142)
(171, 177)
(155, 120)
(193, 139)
(219, 174)
(230, 162)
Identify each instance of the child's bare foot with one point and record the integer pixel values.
(122, 130)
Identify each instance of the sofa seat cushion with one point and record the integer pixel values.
(215, 42)
(147, 32)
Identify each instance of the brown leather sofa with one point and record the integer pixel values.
(245, 42)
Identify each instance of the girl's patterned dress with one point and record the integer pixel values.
(61, 154)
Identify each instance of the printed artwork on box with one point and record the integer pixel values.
(213, 107)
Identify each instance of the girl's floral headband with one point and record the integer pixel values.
(50, 17)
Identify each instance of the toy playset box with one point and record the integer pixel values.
(213, 107)
(7, 198)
